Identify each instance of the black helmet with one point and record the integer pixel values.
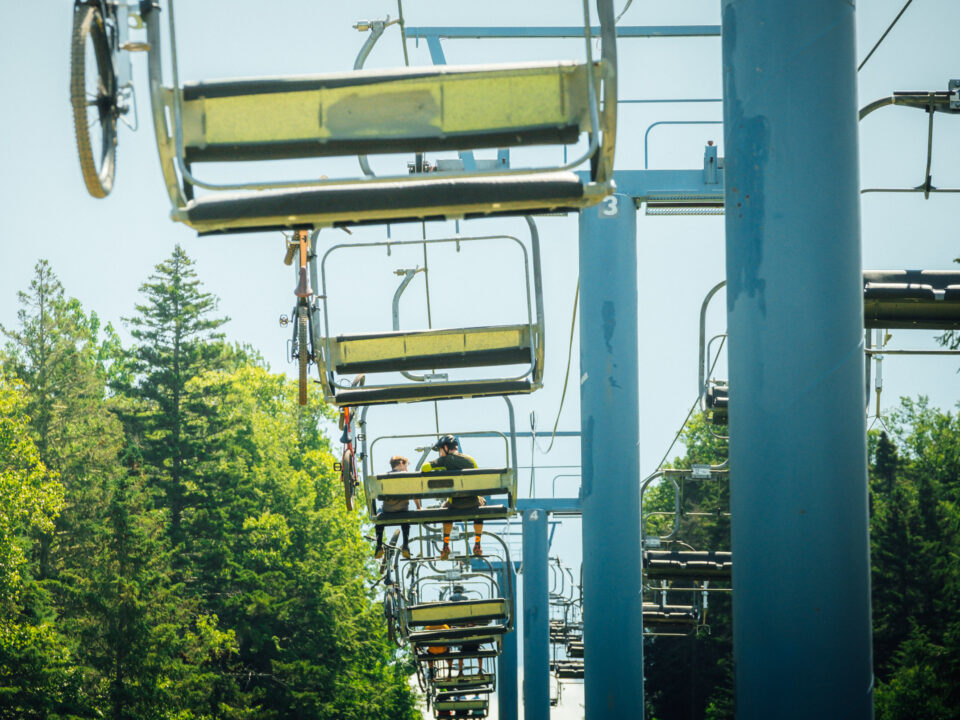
(446, 441)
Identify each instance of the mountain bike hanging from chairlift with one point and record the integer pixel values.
(101, 85)
(348, 462)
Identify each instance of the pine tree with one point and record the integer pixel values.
(35, 675)
(176, 339)
(57, 353)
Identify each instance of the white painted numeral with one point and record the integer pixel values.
(611, 207)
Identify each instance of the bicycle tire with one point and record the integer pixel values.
(348, 475)
(390, 614)
(303, 357)
(97, 173)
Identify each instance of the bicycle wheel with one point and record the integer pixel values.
(93, 96)
(348, 475)
(303, 324)
(390, 614)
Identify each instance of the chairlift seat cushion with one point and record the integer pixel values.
(654, 614)
(436, 197)
(464, 682)
(457, 635)
(431, 349)
(907, 299)
(451, 613)
(690, 564)
(568, 669)
(421, 392)
(479, 704)
(444, 483)
(454, 653)
(393, 111)
(452, 694)
(438, 514)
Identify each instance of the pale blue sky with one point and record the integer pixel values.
(104, 249)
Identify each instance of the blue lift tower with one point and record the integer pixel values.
(798, 466)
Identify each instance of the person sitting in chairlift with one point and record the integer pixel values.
(452, 459)
(398, 463)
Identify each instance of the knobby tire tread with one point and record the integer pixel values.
(87, 23)
(302, 353)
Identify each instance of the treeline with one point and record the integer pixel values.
(915, 556)
(172, 545)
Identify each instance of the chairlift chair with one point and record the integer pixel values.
(406, 110)
(410, 352)
(441, 484)
(482, 682)
(471, 620)
(892, 299)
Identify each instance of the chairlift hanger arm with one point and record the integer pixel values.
(946, 101)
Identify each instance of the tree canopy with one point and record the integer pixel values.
(172, 545)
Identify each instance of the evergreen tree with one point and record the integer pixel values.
(915, 540)
(280, 561)
(57, 354)
(35, 675)
(176, 339)
(692, 676)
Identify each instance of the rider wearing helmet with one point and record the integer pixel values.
(452, 459)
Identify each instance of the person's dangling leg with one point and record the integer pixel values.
(378, 551)
(445, 552)
(405, 548)
(477, 532)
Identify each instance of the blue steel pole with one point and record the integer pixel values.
(610, 458)
(507, 663)
(798, 470)
(536, 617)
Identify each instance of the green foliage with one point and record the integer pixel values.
(175, 340)
(692, 676)
(33, 676)
(915, 539)
(187, 555)
(951, 338)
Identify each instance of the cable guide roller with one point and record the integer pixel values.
(366, 112)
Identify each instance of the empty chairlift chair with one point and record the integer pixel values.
(438, 350)
(406, 110)
(469, 622)
(892, 299)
